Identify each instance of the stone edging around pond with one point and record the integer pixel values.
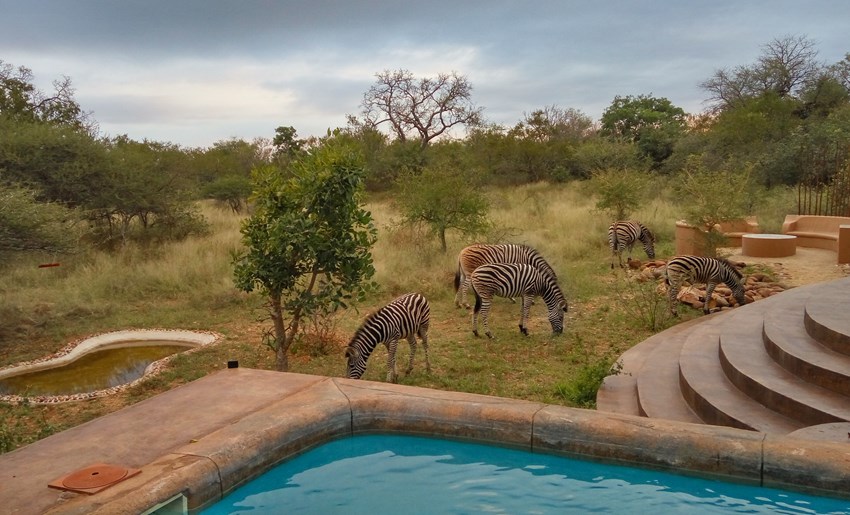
(84, 345)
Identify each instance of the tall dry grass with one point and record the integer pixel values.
(188, 285)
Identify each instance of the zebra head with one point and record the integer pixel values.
(558, 307)
(356, 365)
(733, 277)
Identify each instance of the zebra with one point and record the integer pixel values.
(698, 269)
(405, 317)
(624, 234)
(473, 256)
(512, 279)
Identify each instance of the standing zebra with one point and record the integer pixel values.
(624, 234)
(473, 256)
(404, 317)
(510, 280)
(698, 269)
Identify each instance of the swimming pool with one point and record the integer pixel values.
(392, 473)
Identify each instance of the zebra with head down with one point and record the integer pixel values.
(699, 269)
(516, 279)
(624, 234)
(407, 316)
(473, 256)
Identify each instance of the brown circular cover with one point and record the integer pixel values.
(95, 476)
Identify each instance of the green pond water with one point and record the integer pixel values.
(96, 370)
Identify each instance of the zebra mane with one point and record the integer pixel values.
(731, 267)
(645, 231)
(362, 329)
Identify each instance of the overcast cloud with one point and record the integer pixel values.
(194, 72)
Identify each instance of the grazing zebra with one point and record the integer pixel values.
(479, 254)
(624, 234)
(698, 269)
(512, 279)
(404, 317)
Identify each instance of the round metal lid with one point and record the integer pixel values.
(95, 476)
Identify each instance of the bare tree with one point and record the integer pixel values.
(419, 108)
(786, 66)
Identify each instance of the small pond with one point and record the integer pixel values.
(98, 370)
(97, 365)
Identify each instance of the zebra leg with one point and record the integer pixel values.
(523, 319)
(411, 339)
(392, 347)
(483, 306)
(672, 293)
(463, 289)
(709, 289)
(423, 333)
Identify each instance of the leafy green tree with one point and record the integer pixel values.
(619, 192)
(308, 243)
(21, 101)
(443, 196)
(597, 155)
(27, 225)
(231, 190)
(710, 198)
(653, 124)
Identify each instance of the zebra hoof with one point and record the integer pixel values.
(489, 335)
(475, 332)
(523, 330)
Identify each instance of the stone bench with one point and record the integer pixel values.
(821, 232)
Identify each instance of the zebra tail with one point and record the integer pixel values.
(477, 300)
(457, 278)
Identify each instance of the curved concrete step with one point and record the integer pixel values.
(827, 315)
(712, 395)
(658, 390)
(619, 393)
(747, 364)
(790, 345)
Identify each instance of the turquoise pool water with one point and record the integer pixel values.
(403, 474)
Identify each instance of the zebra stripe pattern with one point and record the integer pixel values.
(709, 271)
(479, 254)
(624, 234)
(407, 316)
(510, 280)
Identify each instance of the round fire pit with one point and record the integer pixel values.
(768, 245)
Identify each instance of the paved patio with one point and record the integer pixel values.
(201, 440)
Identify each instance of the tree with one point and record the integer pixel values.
(423, 109)
(654, 124)
(28, 225)
(713, 197)
(307, 246)
(20, 100)
(786, 66)
(619, 192)
(443, 197)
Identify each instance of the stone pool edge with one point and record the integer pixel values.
(318, 409)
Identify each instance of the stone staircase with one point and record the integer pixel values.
(779, 365)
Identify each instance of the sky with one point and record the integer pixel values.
(196, 72)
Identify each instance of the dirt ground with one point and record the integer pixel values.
(806, 267)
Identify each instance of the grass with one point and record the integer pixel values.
(187, 285)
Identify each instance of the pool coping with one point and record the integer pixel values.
(204, 439)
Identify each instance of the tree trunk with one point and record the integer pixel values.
(282, 342)
(443, 239)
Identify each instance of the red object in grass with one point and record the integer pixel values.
(48, 265)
